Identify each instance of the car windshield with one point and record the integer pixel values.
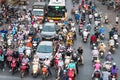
(38, 13)
(49, 29)
(44, 49)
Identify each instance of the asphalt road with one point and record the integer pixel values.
(85, 71)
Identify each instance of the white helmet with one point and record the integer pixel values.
(95, 47)
(109, 52)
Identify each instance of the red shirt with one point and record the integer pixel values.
(93, 38)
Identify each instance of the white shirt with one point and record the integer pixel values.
(65, 30)
(85, 34)
(115, 36)
(47, 62)
(25, 60)
(95, 53)
(73, 29)
(111, 42)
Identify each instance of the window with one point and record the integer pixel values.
(44, 49)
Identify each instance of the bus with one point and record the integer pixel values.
(56, 10)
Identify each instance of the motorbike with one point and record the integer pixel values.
(116, 44)
(71, 74)
(112, 49)
(102, 36)
(84, 39)
(80, 28)
(107, 65)
(106, 21)
(34, 46)
(23, 69)
(93, 45)
(28, 52)
(45, 73)
(35, 69)
(113, 77)
(101, 53)
(14, 66)
(96, 75)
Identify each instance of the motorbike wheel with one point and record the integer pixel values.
(22, 74)
(43, 77)
(13, 72)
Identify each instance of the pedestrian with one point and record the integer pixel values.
(117, 19)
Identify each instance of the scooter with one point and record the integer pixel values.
(112, 49)
(71, 74)
(101, 53)
(116, 44)
(96, 75)
(113, 77)
(45, 73)
(107, 65)
(102, 36)
(80, 28)
(23, 70)
(34, 46)
(35, 69)
(28, 52)
(14, 66)
(84, 39)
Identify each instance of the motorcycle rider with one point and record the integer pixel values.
(97, 65)
(47, 63)
(114, 70)
(26, 60)
(72, 65)
(105, 75)
(95, 53)
(85, 33)
(21, 49)
(111, 33)
(115, 37)
(109, 57)
(88, 27)
(80, 52)
(93, 39)
(111, 43)
(102, 47)
(102, 30)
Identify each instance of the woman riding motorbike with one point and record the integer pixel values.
(102, 47)
(114, 70)
(109, 57)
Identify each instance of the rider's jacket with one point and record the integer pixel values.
(71, 65)
(114, 70)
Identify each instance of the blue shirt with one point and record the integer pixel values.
(102, 30)
(21, 49)
(77, 16)
(71, 65)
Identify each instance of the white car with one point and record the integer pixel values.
(45, 49)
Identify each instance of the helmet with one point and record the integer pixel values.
(102, 26)
(98, 61)
(109, 53)
(114, 64)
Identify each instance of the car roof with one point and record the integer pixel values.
(49, 23)
(46, 43)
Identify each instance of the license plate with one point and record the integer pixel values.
(96, 79)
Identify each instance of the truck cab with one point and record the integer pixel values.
(38, 11)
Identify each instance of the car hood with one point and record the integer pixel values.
(44, 55)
